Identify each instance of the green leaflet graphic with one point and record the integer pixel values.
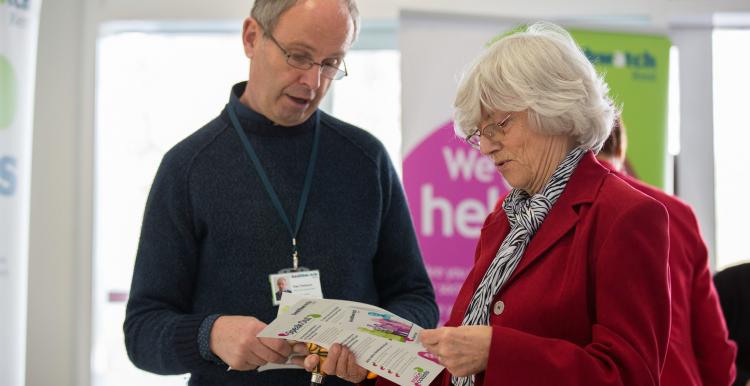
(7, 93)
(636, 67)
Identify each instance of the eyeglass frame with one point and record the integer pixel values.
(305, 63)
(487, 131)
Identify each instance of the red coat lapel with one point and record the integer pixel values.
(582, 188)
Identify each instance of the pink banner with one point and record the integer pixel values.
(451, 189)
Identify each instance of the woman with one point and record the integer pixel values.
(569, 284)
(700, 351)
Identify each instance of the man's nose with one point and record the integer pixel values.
(311, 77)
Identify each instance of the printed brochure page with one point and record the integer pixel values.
(382, 342)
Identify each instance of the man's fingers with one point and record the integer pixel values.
(266, 354)
(342, 370)
(307, 362)
(348, 368)
(280, 346)
(254, 360)
(250, 362)
(352, 361)
(300, 348)
(234, 340)
(241, 366)
(297, 360)
(356, 370)
(329, 365)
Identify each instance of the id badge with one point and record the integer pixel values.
(301, 283)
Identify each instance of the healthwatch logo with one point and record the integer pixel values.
(621, 59)
(7, 93)
(419, 377)
(298, 326)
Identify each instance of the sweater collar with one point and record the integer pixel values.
(256, 123)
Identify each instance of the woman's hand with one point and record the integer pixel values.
(462, 350)
(339, 362)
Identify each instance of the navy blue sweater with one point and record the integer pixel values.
(211, 237)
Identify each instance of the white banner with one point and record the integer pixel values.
(451, 188)
(19, 26)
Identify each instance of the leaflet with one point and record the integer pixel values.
(382, 342)
(287, 301)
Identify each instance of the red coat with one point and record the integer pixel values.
(588, 303)
(700, 352)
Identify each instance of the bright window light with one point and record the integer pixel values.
(152, 90)
(370, 97)
(731, 137)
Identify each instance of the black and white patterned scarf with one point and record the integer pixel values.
(525, 215)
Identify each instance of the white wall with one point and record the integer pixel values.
(60, 227)
(695, 164)
(56, 262)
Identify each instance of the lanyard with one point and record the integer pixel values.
(267, 183)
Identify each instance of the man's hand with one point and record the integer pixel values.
(233, 339)
(462, 350)
(339, 362)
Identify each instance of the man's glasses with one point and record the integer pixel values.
(303, 62)
(488, 131)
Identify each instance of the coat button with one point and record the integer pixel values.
(499, 307)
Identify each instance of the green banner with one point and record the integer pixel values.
(636, 67)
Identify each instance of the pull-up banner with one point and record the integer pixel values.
(451, 187)
(19, 25)
(636, 67)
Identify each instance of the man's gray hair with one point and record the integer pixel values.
(267, 13)
(541, 69)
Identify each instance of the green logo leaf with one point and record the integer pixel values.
(7, 93)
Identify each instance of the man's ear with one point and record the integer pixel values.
(251, 34)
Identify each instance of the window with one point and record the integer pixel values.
(371, 97)
(731, 61)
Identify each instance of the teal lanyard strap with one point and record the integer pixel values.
(267, 183)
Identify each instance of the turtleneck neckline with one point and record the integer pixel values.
(256, 123)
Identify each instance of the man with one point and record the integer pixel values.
(272, 184)
(281, 288)
(699, 351)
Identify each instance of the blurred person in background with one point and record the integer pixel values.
(700, 352)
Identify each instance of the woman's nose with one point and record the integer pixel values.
(488, 146)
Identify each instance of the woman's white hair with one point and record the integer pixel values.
(541, 69)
